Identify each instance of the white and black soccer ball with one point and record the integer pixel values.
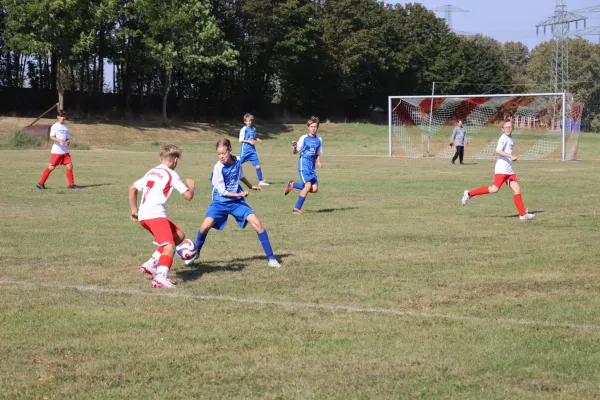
(186, 250)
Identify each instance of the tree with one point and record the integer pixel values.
(182, 35)
(48, 28)
(516, 56)
(584, 75)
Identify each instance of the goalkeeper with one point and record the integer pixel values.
(458, 139)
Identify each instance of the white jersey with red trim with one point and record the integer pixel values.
(59, 131)
(156, 186)
(504, 164)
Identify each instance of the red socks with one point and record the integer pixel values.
(481, 190)
(47, 172)
(70, 177)
(519, 204)
(45, 176)
(165, 261)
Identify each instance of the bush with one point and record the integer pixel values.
(19, 139)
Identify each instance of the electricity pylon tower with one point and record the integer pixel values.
(559, 24)
(448, 10)
(592, 31)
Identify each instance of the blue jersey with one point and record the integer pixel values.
(246, 148)
(225, 178)
(309, 148)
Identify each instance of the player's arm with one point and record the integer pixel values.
(319, 152)
(297, 146)
(132, 197)
(500, 150)
(189, 194)
(218, 183)
(250, 185)
(53, 137)
(505, 154)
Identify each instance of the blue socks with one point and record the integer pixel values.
(259, 174)
(298, 186)
(200, 240)
(300, 202)
(266, 244)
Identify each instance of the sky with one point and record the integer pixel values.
(508, 20)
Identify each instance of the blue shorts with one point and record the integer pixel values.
(219, 211)
(252, 157)
(308, 176)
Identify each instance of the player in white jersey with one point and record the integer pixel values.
(59, 134)
(156, 186)
(503, 173)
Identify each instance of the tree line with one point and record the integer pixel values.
(332, 58)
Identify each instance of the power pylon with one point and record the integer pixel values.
(592, 31)
(559, 24)
(448, 10)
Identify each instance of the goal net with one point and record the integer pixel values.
(545, 125)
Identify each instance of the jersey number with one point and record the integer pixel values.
(149, 186)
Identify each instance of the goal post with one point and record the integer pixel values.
(547, 125)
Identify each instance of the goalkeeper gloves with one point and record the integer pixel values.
(451, 144)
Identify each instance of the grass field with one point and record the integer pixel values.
(389, 288)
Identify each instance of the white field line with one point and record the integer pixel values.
(174, 293)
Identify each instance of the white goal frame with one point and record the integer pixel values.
(432, 97)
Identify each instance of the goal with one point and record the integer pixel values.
(546, 125)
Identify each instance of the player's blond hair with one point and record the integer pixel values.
(248, 115)
(170, 151)
(312, 120)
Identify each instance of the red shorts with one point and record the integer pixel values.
(500, 179)
(162, 229)
(60, 159)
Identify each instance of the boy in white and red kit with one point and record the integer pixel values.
(503, 173)
(156, 186)
(59, 134)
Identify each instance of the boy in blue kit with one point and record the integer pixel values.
(228, 199)
(248, 149)
(310, 147)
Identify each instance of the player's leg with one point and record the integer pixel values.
(499, 179)
(215, 217)
(461, 153)
(455, 155)
(163, 231)
(302, 197)
(69, 164)
(292, 185)
(53, 163)
(263, 237)
(516, 188)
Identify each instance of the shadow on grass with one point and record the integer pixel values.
(199, 267)
(330, 210)
(79, 187)
(93, 185)
(529, 211)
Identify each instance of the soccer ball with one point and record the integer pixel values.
(186, 250)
